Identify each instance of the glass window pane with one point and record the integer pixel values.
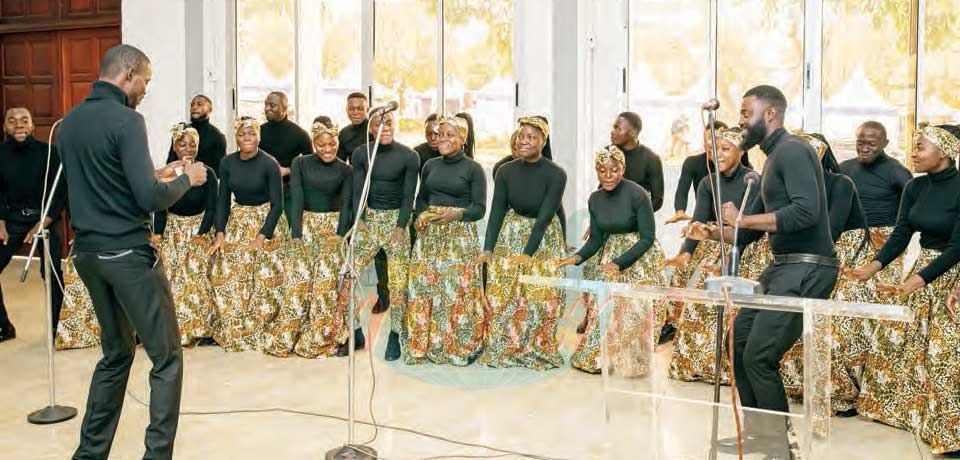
(940, 98)
(860, 86)
(330, 58)
(265, 47)
(405, 63)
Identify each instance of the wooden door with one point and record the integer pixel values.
(81, 51)
(30, 77)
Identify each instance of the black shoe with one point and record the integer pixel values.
(381, 306)
(667, 333)
(359, 341)
(343, 350)
(393, 347)
(207, 342)
(951, 454)
(582, 328)
(8, 332)
(847, 413)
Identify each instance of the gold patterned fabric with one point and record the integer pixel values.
(445, 317)
(911, 375)
(380, 224)
(78, 327)
(312, 321)
(188, 270)
(943, 139)
(247, 284)
(523, 326)
(628, 355)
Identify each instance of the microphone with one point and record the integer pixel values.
(711, 104)
(385, 109)
(751, 179)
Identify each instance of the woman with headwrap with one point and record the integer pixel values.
(246, 275)
(445, 318)
(183, 234)
(911, 375)
(524, 238)
(312, 321)
(694, 346)
(623, 237)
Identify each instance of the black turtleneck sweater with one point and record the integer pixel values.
(533, 190)
(250, 182)
(426, 154)
(693, 171)
(846, 213)
(393, 181)
(732, 189)
(880, 185)
(110, 177)
(198, 199)
(793, 188)
(21, 179)
(455, 181)
(316, 186)
(645, 168)
(351, 137)
(501, 162)
(284, 141)
(625, 209)
(213, 144)
(931, 206)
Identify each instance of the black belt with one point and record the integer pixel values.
(783, 259)
(30, 212)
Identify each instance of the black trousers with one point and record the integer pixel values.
(131, 294)
(17, 231)
(762, 337)
(383, 278)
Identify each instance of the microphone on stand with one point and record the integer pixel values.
(711, 104)
(751, 179)
(384, 109)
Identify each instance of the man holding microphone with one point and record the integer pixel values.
(113, 188)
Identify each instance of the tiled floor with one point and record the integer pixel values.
(556, 414)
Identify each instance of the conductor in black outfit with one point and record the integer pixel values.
(804, 265)
(113, 189)
(213, 144)
(283, 140)
(23, 163)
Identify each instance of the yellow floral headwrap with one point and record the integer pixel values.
(246, 122)
(945, 140)
(609, 153)
(817, 144)
(536, 122)
(731, 135)
(319, 128)
(180, 129)
(457, 122)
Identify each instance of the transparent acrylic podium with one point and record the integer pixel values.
(651, 416)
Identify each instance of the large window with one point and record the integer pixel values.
(940, 68)
(265, 53)
(330, 58)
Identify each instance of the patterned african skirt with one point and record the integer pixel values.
(188, 269)
(247, 285)
(380, 224)
(445, 317)
(524, 318)
(312, 321)
(911, 374)
(628, 355)
(693, 347)
(78, 327)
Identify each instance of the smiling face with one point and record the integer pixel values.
(18, 124)
(927, 157)
(728, 156)
(247, 139)
(609, 174)
(275, 107)
(325, 146)
(870, 144)
(530, 142)
(449, 141)
(185, 147)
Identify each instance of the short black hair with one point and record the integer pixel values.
(122, 58)
(771, 95)
(633, 118)
(324, 120)
(204, 97)
(356, 95)
(282, 95)
(470, 143)
(871, 124)
(431, 117)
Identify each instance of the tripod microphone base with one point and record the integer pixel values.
(52, 414)
(738, 285)
(349, 452)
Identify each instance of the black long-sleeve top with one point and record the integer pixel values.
(532, 190)
(455, 181)
(880, 185)
(250, 182)
(931, 206)
(732, 189)
(393, 181)
(110, 176)
(202, 198)
(350, 138)
(212, 147)
(284, 141)
(645, 168)
(426, 154)
(561, 214)
(693, 170)
(316, 186)
(793, 188)
(499, 163)
(625, 209)
(22, 177)
(843, 202)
